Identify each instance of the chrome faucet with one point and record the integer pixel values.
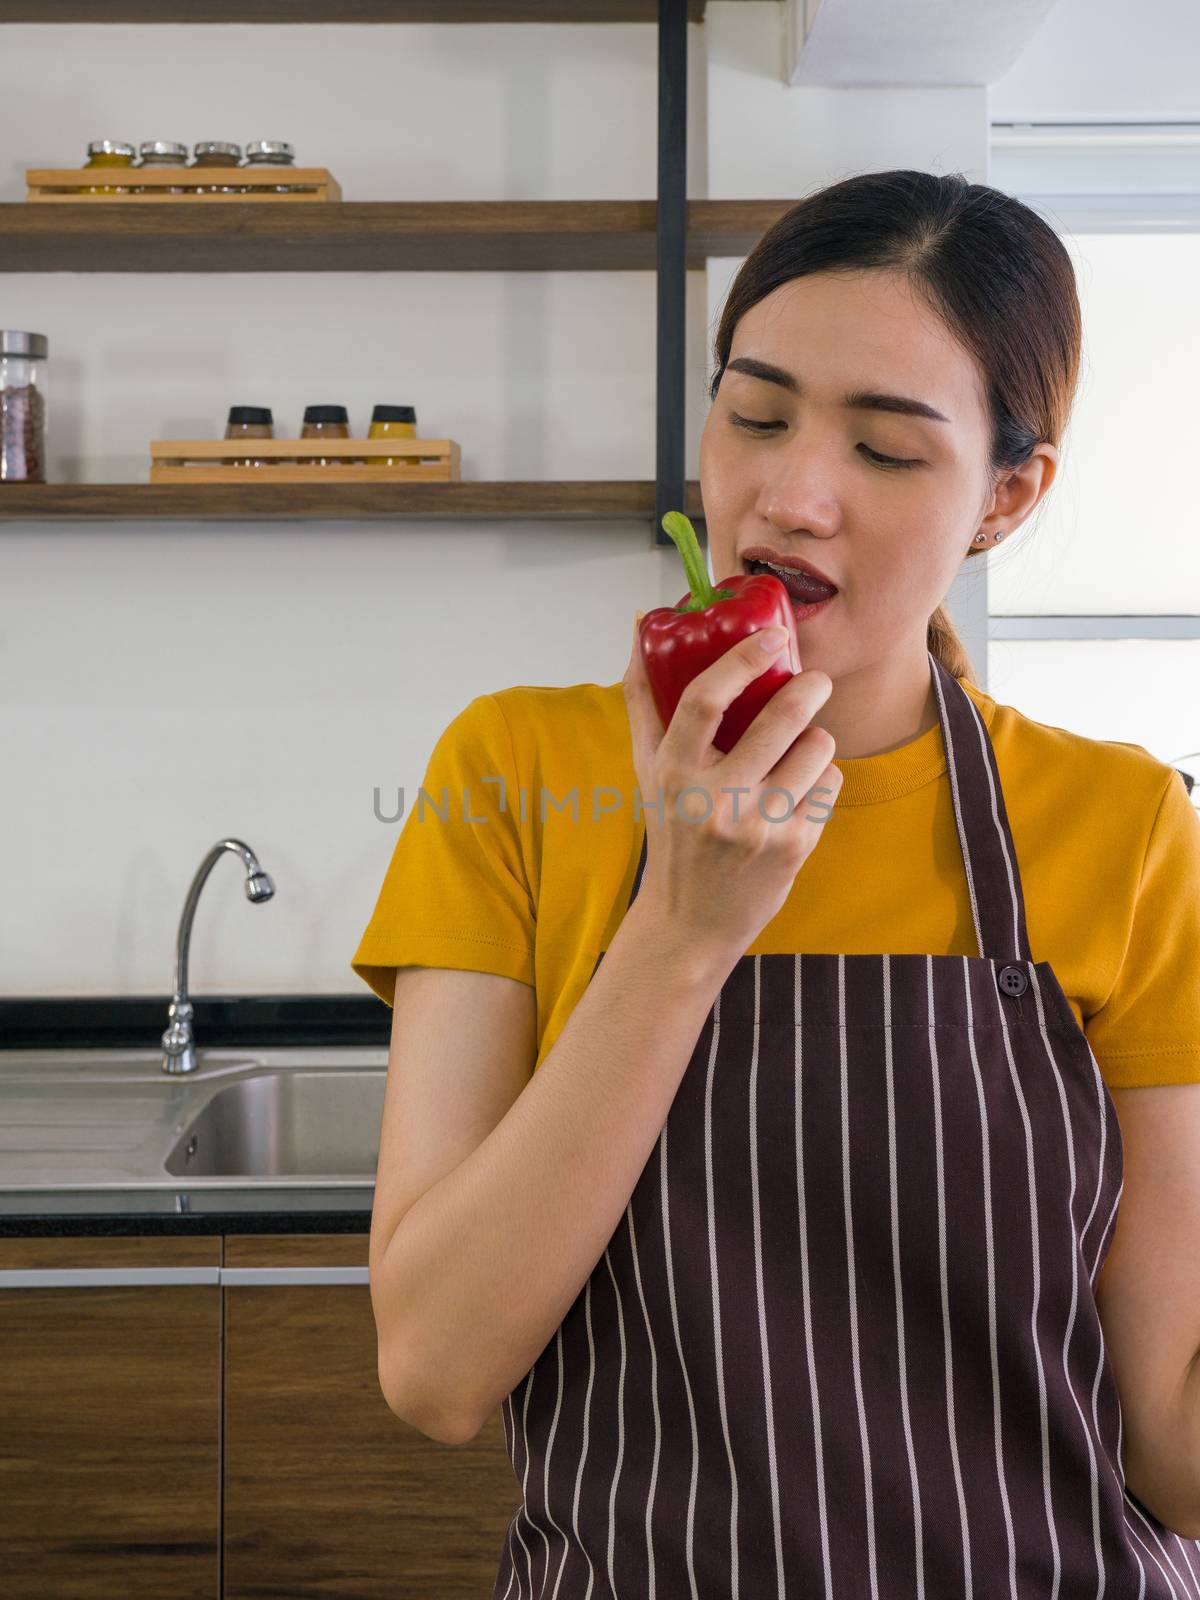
(179, 1054)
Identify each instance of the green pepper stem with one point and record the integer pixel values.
(680, 530)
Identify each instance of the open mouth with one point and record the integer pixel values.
(804, 590)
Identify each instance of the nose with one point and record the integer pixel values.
(799, 492)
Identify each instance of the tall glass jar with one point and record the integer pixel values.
(108, 153)
(162, 153)
(216, 153)
(272, 153)
(22, 407)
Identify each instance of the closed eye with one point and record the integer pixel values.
(872, 455)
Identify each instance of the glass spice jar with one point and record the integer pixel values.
(272, 153)
(108, 153)
(251, 422)
(392, 422)
(22, 407)
(216, 153)
(325, 422)
(162, 153)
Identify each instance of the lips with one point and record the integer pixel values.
(802, 582)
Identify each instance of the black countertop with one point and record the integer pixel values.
(219, 1021)
(112, 1224)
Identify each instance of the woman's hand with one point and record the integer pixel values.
(719, 862)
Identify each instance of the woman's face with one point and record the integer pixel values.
(808, 483)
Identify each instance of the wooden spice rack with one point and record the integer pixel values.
(298, 461)
(259, 184)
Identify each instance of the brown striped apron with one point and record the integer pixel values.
(844, 1341)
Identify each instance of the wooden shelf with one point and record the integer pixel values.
(369, 236)
(337, 11)
(560, 501)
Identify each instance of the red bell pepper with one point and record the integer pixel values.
(677, 642)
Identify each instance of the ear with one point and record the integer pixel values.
(1018, 491)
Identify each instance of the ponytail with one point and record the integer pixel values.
(946, 647)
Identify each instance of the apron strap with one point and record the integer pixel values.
(989, 854)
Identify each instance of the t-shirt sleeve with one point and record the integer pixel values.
(1148, 1030)
(456, 892)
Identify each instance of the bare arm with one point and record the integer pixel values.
(1148, 1297)
(472, 1281)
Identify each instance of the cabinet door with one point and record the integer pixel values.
(110, 1408)
(327, 1491)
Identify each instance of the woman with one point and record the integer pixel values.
(795, 1266)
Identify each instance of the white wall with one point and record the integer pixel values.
(162, 687)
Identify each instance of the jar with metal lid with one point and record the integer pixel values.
(216, 153)
(162, 153)
(325, 422)
(22, 407)
(251, 422)
(272, 153)
(108, 153)
(392, 422)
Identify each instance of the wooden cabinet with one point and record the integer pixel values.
(224, 1436)
(327, 1491)
(109, 1400)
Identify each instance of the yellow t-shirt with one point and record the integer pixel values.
(533, 885)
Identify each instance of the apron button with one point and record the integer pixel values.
(1013, 980)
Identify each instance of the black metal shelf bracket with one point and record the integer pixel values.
(671, 261)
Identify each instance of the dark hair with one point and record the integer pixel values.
(995, 272)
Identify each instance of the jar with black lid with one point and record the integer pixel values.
(216, 153)
(162, 153)
(272, 153)
(251, 422)
(392, 422)
(325, 422)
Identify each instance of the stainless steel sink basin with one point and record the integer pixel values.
(286, 1124)
(269, 1129)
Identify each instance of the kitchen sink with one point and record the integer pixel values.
(295, 1124)
(276, 1128)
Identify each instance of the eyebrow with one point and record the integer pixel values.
(856, 400)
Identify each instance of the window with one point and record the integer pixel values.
(1094, 609)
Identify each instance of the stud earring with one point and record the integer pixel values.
(981, 537)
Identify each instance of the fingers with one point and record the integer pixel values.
(808, 775)
(710, 693)
(786, 717)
